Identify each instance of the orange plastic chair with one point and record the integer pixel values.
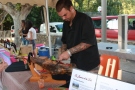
(109, 66)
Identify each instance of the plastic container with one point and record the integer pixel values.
(43, 52)
(41, 83)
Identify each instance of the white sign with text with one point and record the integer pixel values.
(105, 83)
(82, 80)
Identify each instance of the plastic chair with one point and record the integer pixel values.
(109, 66)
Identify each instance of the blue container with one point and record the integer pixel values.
(44, 52)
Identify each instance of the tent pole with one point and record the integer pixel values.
(103, 20)
(48, 29)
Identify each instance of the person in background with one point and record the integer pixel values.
(79, 40)
(31, 36)
(23, 33)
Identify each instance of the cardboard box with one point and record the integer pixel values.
(43, 57)
(25, 49)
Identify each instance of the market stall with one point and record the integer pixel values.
(15, 76)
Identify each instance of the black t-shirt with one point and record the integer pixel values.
(82, 30)
(24, 32)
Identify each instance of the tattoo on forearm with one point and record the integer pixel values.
(63, 47)
(79, 47)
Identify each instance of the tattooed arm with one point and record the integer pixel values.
(65, 55)
(79, 47)
(63, 48)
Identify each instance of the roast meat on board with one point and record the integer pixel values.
(54, 67)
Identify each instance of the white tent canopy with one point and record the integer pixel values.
(51, 3)
(45, 3)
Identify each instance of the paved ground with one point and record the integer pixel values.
(128, 71)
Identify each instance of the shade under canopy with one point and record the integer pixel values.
(51, 3)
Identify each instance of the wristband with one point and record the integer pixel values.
(69, 52)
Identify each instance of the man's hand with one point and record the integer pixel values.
(64, 56)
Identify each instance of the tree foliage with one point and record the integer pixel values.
(114, 7)
(7, 22)
(35, 16)
(91, 5)
(53, 16)
(14, 11)
(80, 4)
(128, 6)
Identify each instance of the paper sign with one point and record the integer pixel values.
(82, 80)
(105, 83)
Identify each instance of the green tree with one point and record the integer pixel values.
(35, 16)
(113, 7)
(91, 5)
(53, 16)
(80, 5)
(18, 12)
(128, 6)
(7, 22)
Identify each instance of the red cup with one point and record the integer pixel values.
(41, 83)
